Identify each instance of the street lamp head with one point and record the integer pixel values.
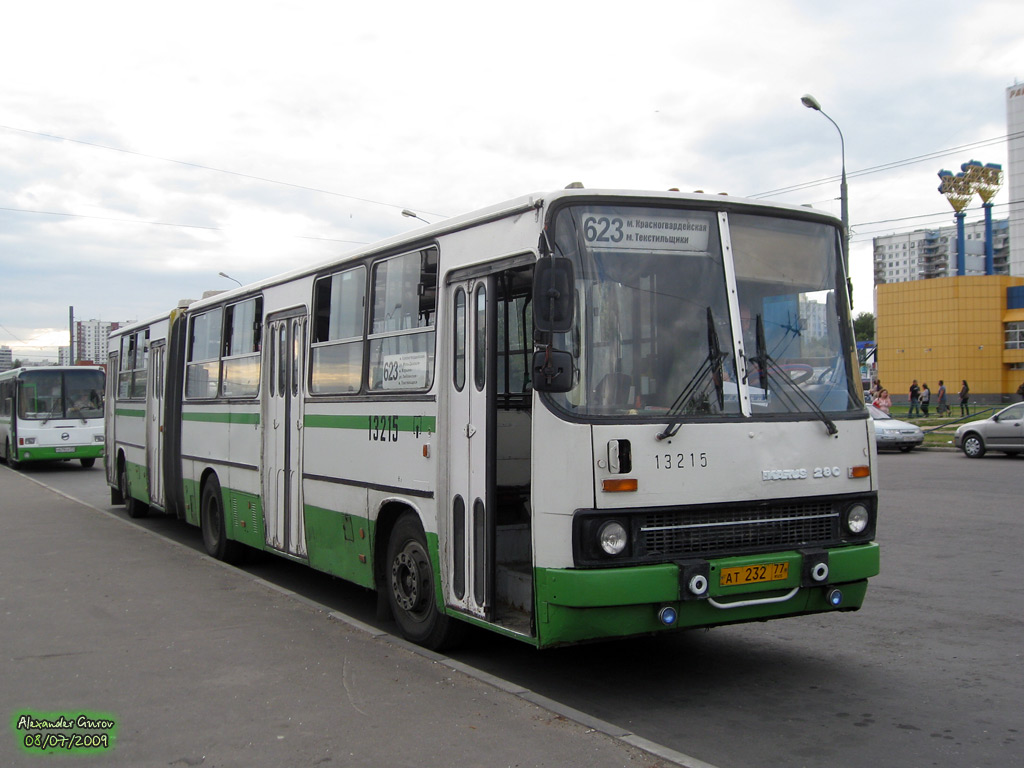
(410, 214)
(810, 102)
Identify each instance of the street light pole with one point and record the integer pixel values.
(229, 277)
(812, 103)
(409, 214)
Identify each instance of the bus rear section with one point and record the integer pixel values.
(52, 414)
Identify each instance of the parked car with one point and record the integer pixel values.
(1002, 431)
(893, 433)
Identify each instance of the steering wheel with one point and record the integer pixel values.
(799, 372)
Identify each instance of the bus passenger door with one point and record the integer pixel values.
(110, 420)
(284, 354)
(155, 423)
(469, 556)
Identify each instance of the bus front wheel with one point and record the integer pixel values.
(409, 583)
(215, 537)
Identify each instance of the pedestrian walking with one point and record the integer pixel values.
(926, 398)
(915, 400)
(942, 408)
(965, 396)
(1020, 390)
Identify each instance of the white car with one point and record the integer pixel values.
(893, 433)
(1003, 431)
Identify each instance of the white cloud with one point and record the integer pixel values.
(443, 109)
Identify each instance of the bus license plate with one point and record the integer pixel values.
(753, 574)
(65, 449)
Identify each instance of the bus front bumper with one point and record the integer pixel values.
(576, 605)
(58, 452)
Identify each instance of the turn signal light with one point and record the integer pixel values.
(616, 485)
(862, 470)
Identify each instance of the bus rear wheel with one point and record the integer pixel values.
(12, 456)
(135, 508)
(409, 583)
(87, 463)
(215, 537)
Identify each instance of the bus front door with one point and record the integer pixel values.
(284, 346)
(469, 563)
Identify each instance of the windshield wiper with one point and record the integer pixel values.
(53, 412)
(78, 410)
(784, 378)
(712, 366)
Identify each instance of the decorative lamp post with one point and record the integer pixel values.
(958, 190)
(986, 180)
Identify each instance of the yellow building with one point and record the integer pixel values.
(951, 328)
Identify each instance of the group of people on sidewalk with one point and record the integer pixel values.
(921, 398)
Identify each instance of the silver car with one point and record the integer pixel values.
(1003, 431)
(893, 433)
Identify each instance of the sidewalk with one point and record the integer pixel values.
(200, 664)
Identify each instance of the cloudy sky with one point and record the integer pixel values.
(146, 147)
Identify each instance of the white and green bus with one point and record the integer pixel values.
(572, 416)
(51, 413)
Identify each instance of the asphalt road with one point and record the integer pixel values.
(928, 673)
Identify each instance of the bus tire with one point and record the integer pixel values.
(215, 537)
(88, 463)
(135, 508)
(12, 462)
(409, 583)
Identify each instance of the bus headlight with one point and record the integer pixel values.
(612, 537)
(857, 519)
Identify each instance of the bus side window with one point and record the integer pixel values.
(339, 311)
(404, 304)
(202, 376)
(241, 366)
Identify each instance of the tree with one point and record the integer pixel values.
(864, 327)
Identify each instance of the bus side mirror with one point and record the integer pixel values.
(553, 282)
(552, 371)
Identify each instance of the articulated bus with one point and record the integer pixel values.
(573, 416)
(51, 413)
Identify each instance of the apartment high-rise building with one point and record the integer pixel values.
(91, 340)
(927, 253)
(1015, 174)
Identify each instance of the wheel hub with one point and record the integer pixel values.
(405, 581)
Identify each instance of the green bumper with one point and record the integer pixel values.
(58, 453)
(577, 605)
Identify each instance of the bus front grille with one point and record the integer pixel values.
(736, 530)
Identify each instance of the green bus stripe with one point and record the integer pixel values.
(222, 418)
(405, 423)
(129, 412)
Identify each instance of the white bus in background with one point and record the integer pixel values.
(576, 415)
(51, 413)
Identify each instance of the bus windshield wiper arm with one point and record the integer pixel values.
(711, 366)
(783, 378)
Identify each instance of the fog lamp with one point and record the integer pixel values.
(668, 615)
(835, 598)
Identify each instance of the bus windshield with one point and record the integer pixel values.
(656, 333)
(61, 394)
